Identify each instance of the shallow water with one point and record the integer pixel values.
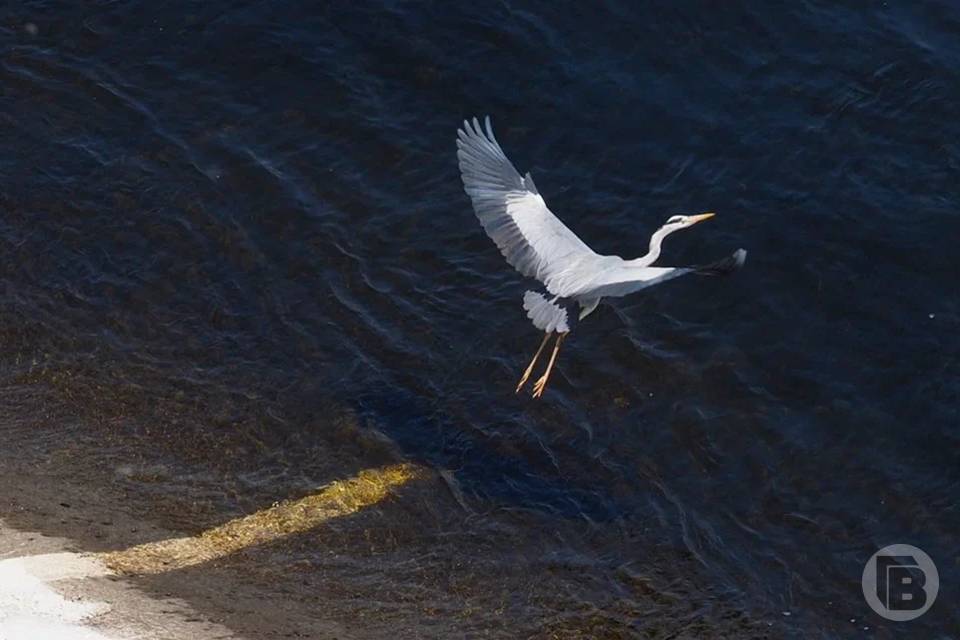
(221, 219)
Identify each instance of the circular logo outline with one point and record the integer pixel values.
(889, 579)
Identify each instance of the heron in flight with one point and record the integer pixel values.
(538, 245)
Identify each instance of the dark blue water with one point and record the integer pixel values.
(244, 211)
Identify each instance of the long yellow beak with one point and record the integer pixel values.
(701, 217)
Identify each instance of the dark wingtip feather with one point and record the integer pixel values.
(724, 266)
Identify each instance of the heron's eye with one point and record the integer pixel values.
(673, 219)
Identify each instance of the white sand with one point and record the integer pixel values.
(47, 593)
(30, 609)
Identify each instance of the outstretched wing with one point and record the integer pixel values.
(620, 278)
(622, 281)
(511, 210)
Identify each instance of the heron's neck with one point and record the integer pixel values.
(656, 240)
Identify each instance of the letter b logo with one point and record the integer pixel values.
(900, 582)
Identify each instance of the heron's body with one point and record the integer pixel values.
(539, 245)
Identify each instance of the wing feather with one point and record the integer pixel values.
(623, 280)
(618, 277)
(512, 211)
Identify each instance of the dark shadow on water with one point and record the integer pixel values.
(478, 461)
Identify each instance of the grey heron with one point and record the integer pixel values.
(538, 245)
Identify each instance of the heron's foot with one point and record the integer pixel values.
(540, 385)
(536, 356)
(526, 376)
(523, 380)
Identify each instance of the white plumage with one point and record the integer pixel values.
(538, 245)
(545, 314)
(513, 213)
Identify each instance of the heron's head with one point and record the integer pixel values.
(675, 223)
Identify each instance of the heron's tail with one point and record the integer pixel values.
(724, 266)
(549, 315)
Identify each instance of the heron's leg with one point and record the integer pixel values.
(526, 374)
(541, 384)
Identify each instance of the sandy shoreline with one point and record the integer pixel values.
(111, 577)
(76, 538)
(51, 593)
(84, 558)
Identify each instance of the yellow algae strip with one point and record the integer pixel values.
(339, 498)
